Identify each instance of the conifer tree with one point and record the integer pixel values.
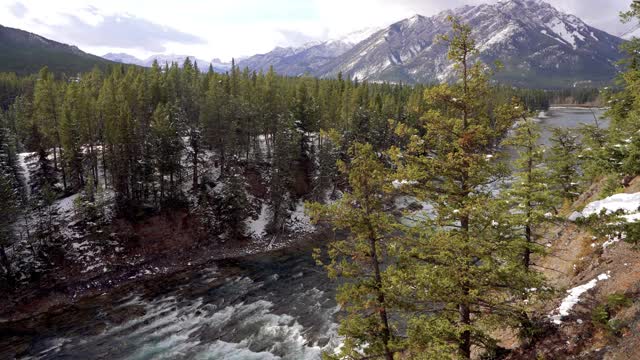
(10, 190)
(45, 131)
(166, 129)
(362, 258)
(564, 163)
(70, 136)
(464, 259)
(530, 194)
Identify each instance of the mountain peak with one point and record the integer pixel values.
(534, 40)
(539, 45)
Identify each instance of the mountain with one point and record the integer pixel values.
(309, 58)
(162, 59)
(537, 44)
(26, 53)
(123, 58)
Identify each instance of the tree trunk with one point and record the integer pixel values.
(196, 151)
(463, 308)
(382, 311)
(55, 159)
(104, 164)
(526, 261)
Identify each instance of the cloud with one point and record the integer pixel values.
(297, 38)
(18, 10)
(122, 31)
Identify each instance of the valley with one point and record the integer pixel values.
(459, 185)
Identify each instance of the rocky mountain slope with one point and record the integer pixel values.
(537, 44)
(307, 59)
(25, 53)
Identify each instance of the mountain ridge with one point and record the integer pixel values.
(24, 53)
(538, 45)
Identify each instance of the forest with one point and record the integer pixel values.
(132, 142)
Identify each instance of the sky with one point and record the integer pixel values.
(236, 28)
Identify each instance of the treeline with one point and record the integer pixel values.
(140, 125)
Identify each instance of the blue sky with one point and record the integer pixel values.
(234, 28)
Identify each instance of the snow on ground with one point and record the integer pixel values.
(257, 228)
(299, 222)
(500, 36)
(568, 36)
(66, 205)
(629, 203)
(22, 160)
(574, 297)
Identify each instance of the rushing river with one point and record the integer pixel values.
(278, 305)
(271, 306)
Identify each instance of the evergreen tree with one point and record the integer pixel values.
(45, 135)
(70, 136)
(464, 259)
(564, 163)
(166, 129)
(530, 194)
(362, 258)
(8, 215)
(10, 190)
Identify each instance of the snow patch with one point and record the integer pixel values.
(574, 298)
(257, 228)
(401, 183)
(628, 203)
(499, 37)
(299, 221)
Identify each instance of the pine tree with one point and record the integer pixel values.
(286, 142)
(464, 259)
(166, 129)
(8, 215)
(564, 163)
(530, 194)
(45, 125)
(10, 191)
(70, 136)
(362, 258)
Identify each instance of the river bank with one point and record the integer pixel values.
(123, 253)
(215, 289)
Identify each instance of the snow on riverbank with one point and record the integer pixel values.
(574, 298)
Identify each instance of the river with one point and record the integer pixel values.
(277, 305)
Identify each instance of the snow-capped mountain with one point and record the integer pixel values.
(537, 44)
(123, 58)
(306, 59)
(162, 59)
